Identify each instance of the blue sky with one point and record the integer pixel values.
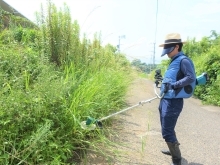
(136, 19)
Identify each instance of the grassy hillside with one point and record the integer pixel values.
(51, 80)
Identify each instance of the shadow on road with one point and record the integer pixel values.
(185, 162)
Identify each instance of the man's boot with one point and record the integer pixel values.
(165, 151)
(175, 153)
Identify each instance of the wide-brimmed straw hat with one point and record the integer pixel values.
(172, 38)
(170, 41)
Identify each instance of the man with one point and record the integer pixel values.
(179, 82)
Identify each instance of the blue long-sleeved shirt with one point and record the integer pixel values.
(188, 72)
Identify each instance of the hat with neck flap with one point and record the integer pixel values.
(170, 42)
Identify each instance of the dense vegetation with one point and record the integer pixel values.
(206, 56)
(51, 80)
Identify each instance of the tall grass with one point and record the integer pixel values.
(51, 81)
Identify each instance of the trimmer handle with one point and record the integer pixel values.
(158, 77)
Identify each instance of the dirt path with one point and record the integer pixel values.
(198, 131)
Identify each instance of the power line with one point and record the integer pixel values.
(155, 35)
(90, 14)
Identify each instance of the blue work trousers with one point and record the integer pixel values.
(170, 110)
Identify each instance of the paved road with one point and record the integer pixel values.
(140, 140)
(198, 131)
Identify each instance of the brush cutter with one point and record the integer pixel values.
(92, 123)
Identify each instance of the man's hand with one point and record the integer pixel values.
(167, 87)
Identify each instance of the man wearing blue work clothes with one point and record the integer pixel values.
(179, 82)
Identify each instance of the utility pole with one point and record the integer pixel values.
(119, 44)
(152, 56)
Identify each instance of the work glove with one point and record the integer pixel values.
(168, 86)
